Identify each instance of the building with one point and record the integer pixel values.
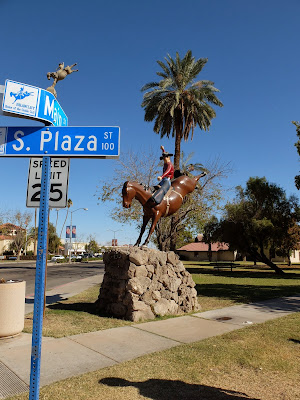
(77, 247)
(7, 233)
(5, 241)
(199, 251)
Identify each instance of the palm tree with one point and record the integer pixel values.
(177, 103)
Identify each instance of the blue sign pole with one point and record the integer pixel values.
(40, 282)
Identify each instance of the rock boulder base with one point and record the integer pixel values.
(141, 283)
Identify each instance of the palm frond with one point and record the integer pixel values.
(164, 67)
(149, 86)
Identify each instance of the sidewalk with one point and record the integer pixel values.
(74, 355)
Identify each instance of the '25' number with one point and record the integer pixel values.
(55, 193)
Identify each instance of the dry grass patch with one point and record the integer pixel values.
(259, 362)
(75, 316)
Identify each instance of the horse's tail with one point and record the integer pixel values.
(200, 176)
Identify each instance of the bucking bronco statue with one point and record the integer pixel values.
(169, 202)
(60, 74)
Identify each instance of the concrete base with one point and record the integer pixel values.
(12, 307)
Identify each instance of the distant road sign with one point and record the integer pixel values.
(33, 102)
(58, 182)
(97, 142)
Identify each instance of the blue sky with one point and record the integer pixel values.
(253, 57)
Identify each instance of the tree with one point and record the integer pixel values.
(290, 242)
(177, 103)
(259, 221)
(20, 239)
(209, 232)
(92, 246)
(297, 144)
(53, 239)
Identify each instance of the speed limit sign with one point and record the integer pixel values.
(58, 183)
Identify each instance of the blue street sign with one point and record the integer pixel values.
(62, 141)
(36, 103)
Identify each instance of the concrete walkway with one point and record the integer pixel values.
(78, 354)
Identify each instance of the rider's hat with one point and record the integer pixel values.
(164, 153)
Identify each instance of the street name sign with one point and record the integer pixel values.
(32, 102)
(62, 141)
(59, 180)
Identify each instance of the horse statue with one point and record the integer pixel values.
(172, 201)
(60, 74)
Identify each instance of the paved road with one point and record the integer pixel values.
(57, 274)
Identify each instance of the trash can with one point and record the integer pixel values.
(12, 308)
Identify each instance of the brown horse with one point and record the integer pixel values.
(170, 204)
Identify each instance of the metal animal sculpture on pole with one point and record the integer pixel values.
(173, 200)
(60, 74)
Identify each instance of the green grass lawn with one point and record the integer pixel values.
(246, 283)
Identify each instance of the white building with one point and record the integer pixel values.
(77, 247)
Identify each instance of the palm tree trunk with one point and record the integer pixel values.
(177, 149)
(174, 220)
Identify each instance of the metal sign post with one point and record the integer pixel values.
(41, 260)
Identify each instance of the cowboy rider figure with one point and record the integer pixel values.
(165, 179)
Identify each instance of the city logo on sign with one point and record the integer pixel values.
(20, 99)
(33, 102)
(21, 94)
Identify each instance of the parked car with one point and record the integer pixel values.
(77, 257)
(85, 257)
(58, 257)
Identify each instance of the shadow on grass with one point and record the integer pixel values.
(49, 299)
(245, 293)
(296, 341)
(263, 274)
(89, 308)
(162, 389)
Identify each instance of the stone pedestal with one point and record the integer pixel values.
(142, 283)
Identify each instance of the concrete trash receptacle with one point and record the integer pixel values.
(12, 308)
